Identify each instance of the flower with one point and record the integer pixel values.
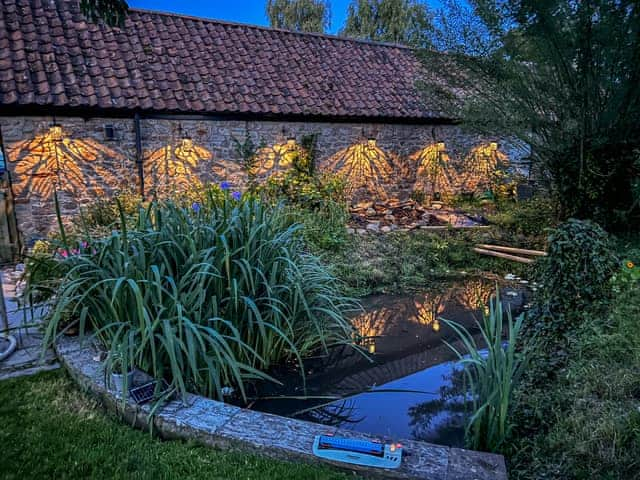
(630, 264)
(196, 207)
(236, 195)
(225, 185)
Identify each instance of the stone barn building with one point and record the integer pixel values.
(155, 106)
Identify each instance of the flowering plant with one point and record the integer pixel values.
(82, 248)
(628, 275)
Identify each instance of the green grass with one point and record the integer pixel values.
(52, 430)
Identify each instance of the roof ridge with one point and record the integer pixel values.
(328, 36)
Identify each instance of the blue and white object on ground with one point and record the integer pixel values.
(358, 452)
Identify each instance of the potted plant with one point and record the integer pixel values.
(121, 373)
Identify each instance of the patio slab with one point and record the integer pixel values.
(28, 357)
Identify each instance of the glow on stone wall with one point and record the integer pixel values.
(275, 158)
(173, 166)
(433, 172)
(480, 166)
(55, 161)
(364, 166)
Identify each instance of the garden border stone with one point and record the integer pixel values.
(226, 426)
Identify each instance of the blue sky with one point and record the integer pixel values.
(243, 11)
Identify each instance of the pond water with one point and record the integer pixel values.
(404, 387)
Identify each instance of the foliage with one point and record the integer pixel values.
(103, 214)
(323, 228)
(113, 12)
(53, 430)
(207, 296)
(492, 377)
(530, 218)
(247, 150)
(575, 280)
(398, 21)
(307, 154)
(303, 190)
(584, 423)
(560, 76)
(419, 196)
(401, 261)
(627, 276)
(301, 186)
(300, 15)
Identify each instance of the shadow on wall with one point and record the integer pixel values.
(433, 172)
(53, 161)
(371, 171)
(366, 167)
(84, 168)
(479, 167)
(171, 167)
(274, 159)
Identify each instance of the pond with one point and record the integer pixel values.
(404, 387)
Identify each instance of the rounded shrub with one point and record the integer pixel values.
(575, 277)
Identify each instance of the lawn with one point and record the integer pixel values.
(52, 430)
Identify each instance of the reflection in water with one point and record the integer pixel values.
(339, 415)
(475, 294)
(408, 388)
(429, 310)
(445, 415)
(428, 405)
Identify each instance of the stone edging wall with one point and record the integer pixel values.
(225, 426)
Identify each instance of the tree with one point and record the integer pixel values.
(113, 12)
(561, 75)
(299, 15)
(398, 21)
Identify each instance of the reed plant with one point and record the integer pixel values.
(206, 296)
(492, 368)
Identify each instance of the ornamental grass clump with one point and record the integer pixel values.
(206, 296)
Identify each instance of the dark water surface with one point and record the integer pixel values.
(403, 390)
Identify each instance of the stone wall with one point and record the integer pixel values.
(77, 159)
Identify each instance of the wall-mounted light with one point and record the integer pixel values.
(291, 142)
(440, 146)
(435, 326)
(55, 132)
(371, 142)
(186, 144)
(493, 146)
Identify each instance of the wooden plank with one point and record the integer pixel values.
(522, 251)
(506, 256)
